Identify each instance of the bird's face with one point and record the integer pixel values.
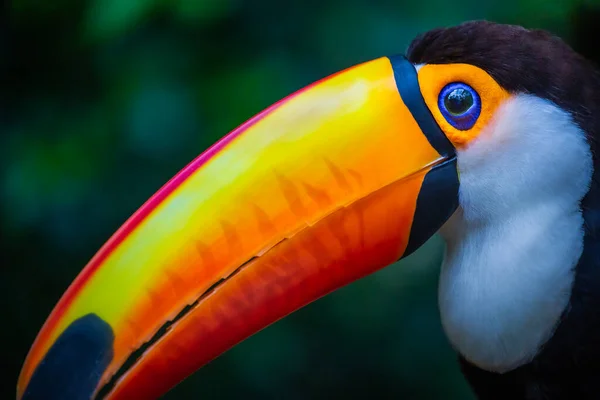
(514, 150)
(329, 185)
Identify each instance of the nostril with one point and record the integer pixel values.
(75, 363)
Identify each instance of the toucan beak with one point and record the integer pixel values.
(328, 185)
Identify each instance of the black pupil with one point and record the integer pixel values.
(458, 101)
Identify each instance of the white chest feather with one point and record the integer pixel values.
(503, 288)
(514, 241)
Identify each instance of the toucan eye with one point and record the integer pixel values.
(460, 104)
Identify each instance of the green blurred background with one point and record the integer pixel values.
(105, 100)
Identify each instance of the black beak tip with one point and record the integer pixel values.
(75, 363)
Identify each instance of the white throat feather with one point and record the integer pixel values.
(518, 233)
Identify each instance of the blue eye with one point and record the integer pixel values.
(460, 105)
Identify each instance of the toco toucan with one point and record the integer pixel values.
(486, 133)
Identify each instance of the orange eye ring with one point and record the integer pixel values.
(435, 78)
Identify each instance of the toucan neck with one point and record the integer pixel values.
(505, 283)
(575, 343)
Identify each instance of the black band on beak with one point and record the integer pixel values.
(407, 83)
(438, 197)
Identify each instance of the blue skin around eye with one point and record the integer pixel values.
(467, 119)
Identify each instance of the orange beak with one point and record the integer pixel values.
(328, 185)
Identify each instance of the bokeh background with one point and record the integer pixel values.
(104, 100)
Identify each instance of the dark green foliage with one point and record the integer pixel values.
(105, 100)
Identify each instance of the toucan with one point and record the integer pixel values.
(483, 132)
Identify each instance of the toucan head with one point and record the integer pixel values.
(481, 131)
